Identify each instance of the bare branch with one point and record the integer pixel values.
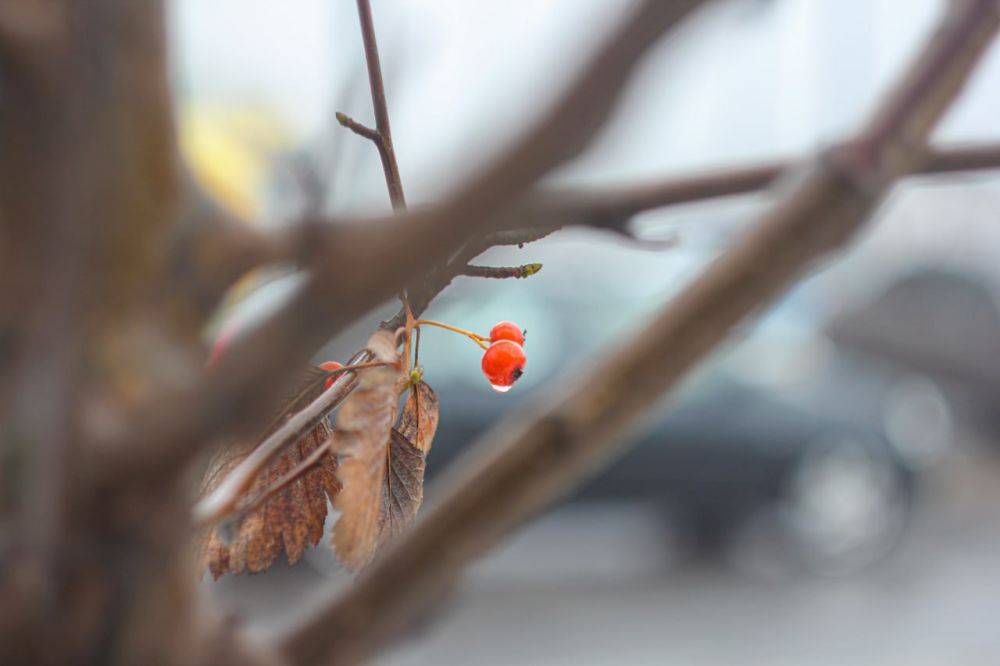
(206, 272)
(530, 461)
(383, 134)
(425, 290)
(358, 266)
(616, 206)
(547, 211)
(225, 497)
(962, 158)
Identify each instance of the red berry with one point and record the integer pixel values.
(503, 364)
(330, 366)
(507, 330)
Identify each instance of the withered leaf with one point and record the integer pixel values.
(403, 492)
(419, 420)
(391, 484)
(363, 426)
(293, 518)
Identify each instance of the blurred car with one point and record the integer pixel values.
(728, 456)
(943, 324)
(764, 443)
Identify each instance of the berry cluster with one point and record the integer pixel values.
(504, 360)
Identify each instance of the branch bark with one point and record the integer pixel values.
(615, 206)
(531, 460)
(211, 249)
(357, 266)
(612, 207)
(88, 193)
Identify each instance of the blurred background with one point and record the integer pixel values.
(824, 490)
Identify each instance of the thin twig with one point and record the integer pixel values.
(424, 291)
(501, 272)
(208, 273)
(529, 461)
(382, 136)
(300, 470)
(225, 497)
(359, 129)
(383, 129)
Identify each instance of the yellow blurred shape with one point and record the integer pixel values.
(229, 149)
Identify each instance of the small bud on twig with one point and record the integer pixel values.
(501, 272)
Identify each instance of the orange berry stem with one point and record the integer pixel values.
(475, 337)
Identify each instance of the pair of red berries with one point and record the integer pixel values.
(504, 360)
(503, 363)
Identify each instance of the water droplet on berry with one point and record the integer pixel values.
(502, 389)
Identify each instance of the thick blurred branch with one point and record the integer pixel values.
(584, 206)
(532, 459)
(616, 206)
(543, 212)
(962, 158)
(214, 248)
(240, 248)
(88, 195)
(209, 249)
(357, 266)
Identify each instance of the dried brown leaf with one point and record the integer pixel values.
(403, 492)
(419, 420)
(377, 485)
(363, 426)
(391, 485)
(293, 518)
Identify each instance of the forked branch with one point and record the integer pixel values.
(359, 266)
(542, 212)
(534, 457)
